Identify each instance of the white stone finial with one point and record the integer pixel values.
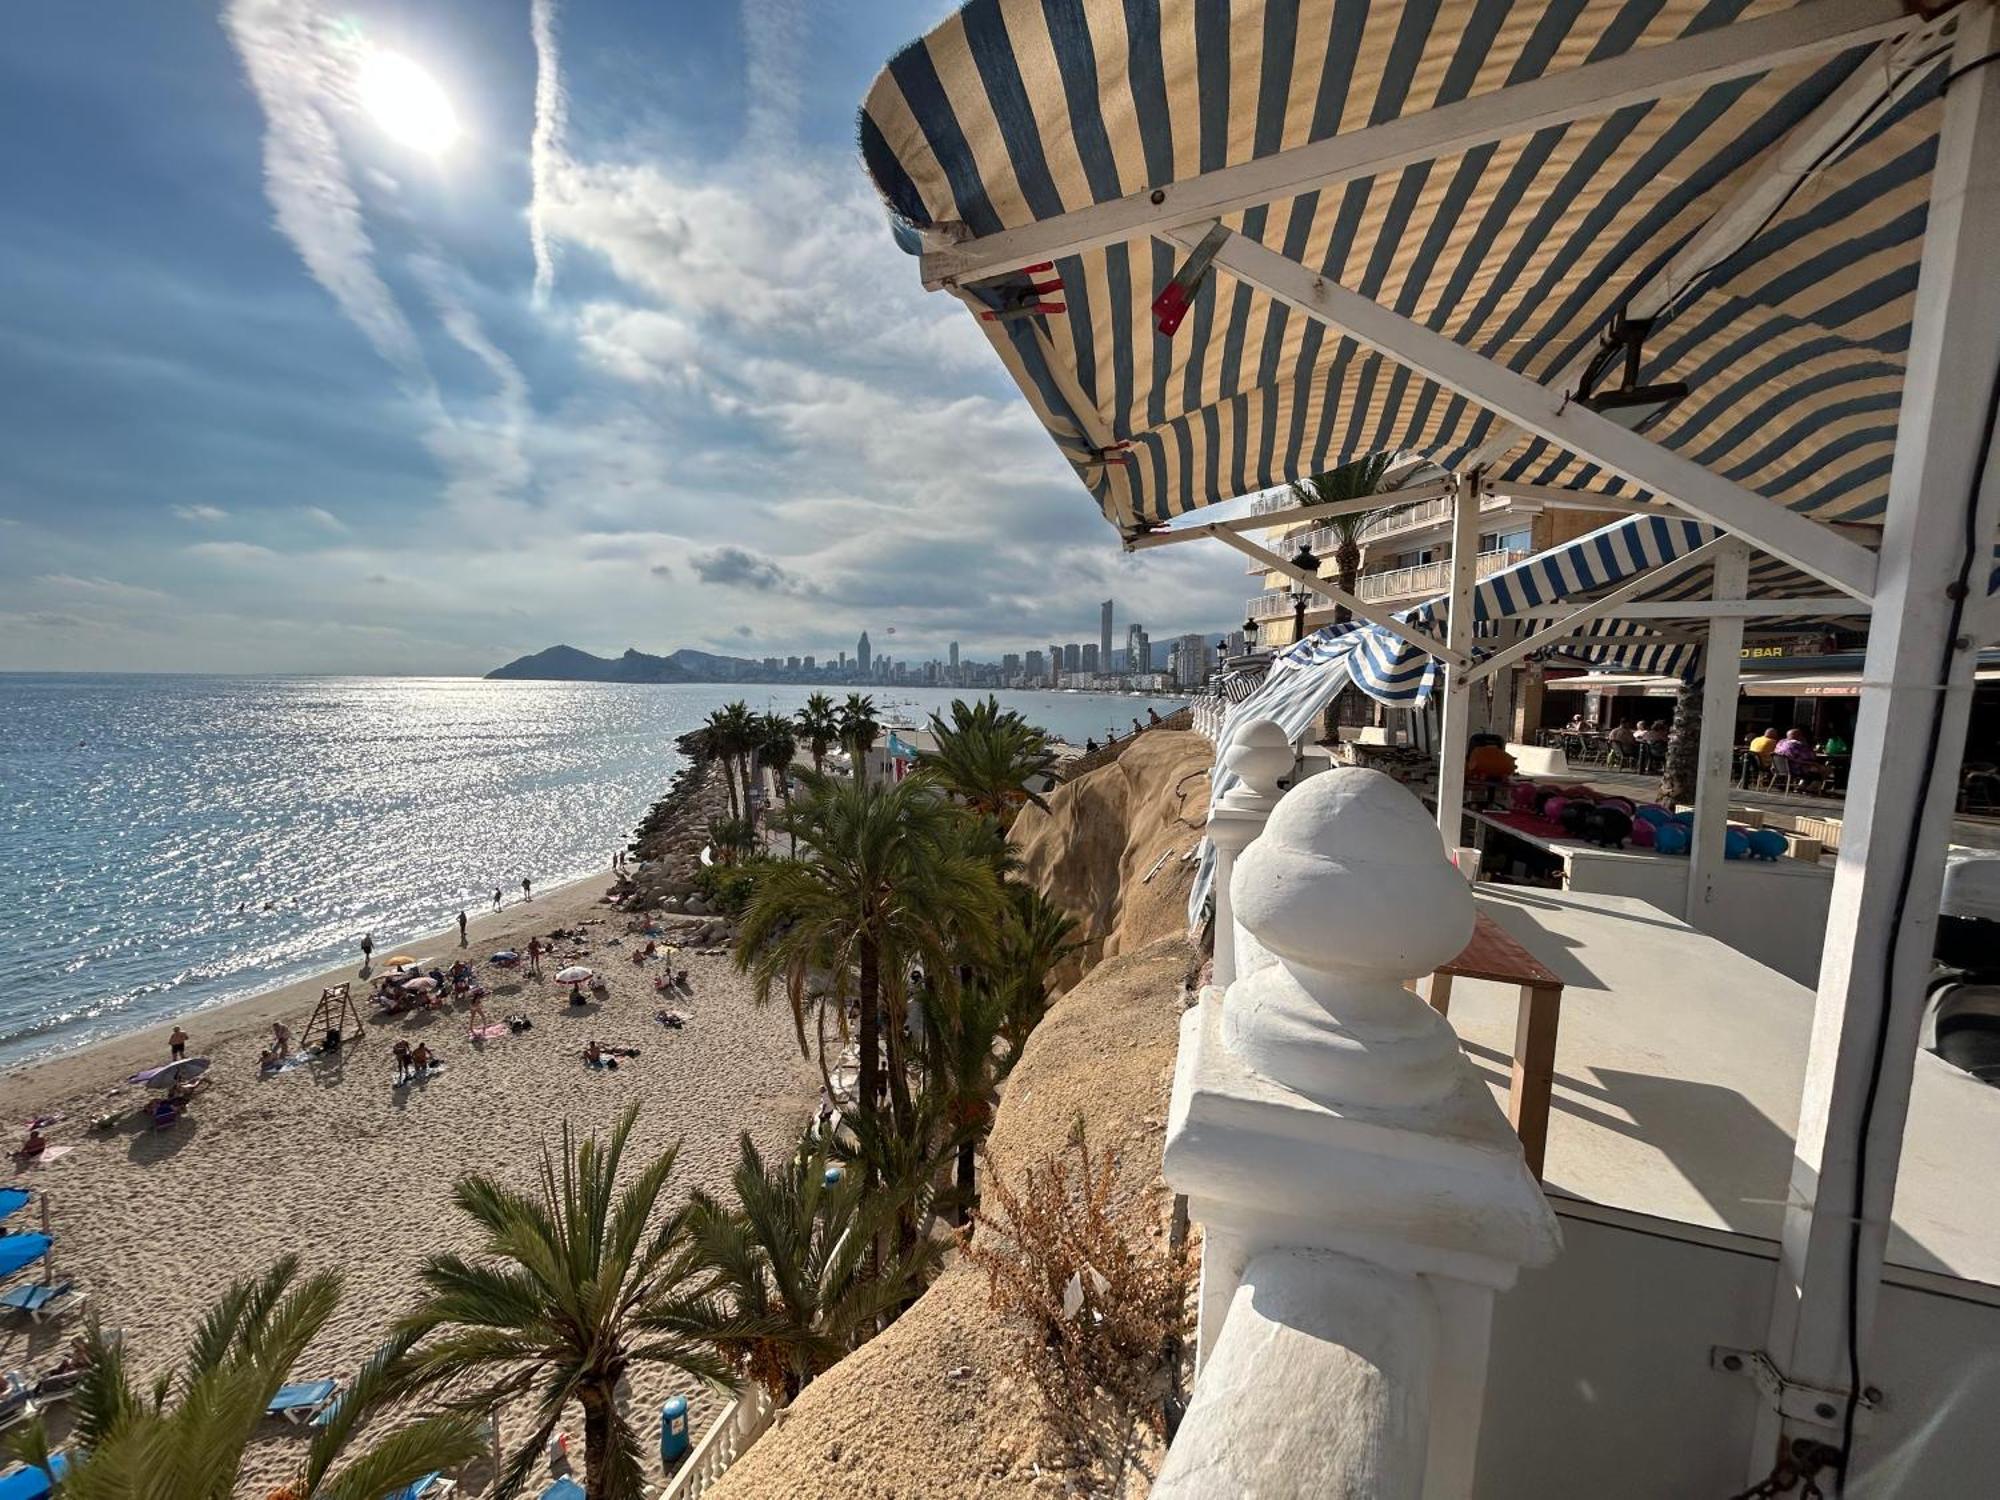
(1349, 888)
(1260, 753)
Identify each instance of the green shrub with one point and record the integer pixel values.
(727, 888)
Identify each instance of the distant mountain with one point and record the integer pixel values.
(567, 664)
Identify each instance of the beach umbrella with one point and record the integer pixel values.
(18, 1250)
(399, 960)
(167, 1074)
(504, 956)
(420, 986)
(574, 974)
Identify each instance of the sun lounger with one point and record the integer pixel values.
(303, 1401)
(562, 1489)
(16, 1404)
(433, 1486)
(44, 1300)
(30, 1483)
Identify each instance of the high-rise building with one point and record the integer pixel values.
(1036, 667)
(1190, 661)
(862, 653)
(843, 661)
(1236, 643)
(812, 664)
(1138, 649)
(1072, 657)
(1104, 630)
(954, 661)
(1010, 666)
(1090, 658)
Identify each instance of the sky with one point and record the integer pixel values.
(412, 337)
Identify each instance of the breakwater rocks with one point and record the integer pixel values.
(667, 845)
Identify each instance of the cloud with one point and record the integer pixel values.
(661, 570)
(774, 57)
(545, 145)
(200, 514)
(737, 567)
(639, 344)
(233, 554)
(296, 80)
(320, 516)
(107, 589)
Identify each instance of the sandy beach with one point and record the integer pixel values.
(332, 1162)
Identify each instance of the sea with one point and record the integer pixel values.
(173, 842)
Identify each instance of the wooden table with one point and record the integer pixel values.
(1494, 955)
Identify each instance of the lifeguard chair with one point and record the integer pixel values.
(336, 1019)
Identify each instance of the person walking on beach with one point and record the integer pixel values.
(461, 929)
(527, 889)
(367, 952)
(535, 957)
(177, 1044)
(281, 1034)
(496, 898)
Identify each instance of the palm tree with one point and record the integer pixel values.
(791, 1284)
(963, 1066)
(1353, 481)
(576, 1285)
(880, 888)
(730, 738)
(185, 1436)
(1683, 764)
(819, 726)
(1035, 937)
(777, 748)
(986, 756)
(859, 730)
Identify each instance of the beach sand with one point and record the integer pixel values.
(328, 1160)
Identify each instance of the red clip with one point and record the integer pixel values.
(1170, 307)
(1115, 454)
(1026, 310)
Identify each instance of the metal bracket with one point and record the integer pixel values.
(1792, 1398)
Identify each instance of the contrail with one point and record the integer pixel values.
(546, 146)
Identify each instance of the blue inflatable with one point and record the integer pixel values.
(1767, 843)
(1672, 838)
(1736, 843)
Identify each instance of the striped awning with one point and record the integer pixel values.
(1014, 112)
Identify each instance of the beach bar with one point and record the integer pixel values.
(1716, 271)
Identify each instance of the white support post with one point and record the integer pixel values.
(1722, 664)
(1944, 499)
(1458, 681)
(1798, 539)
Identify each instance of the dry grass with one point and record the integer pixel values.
(1099, 1318)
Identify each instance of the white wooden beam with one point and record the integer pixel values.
(1804, 33)
(1874, 87)
(1797, 539)
(1456, 731)
(1614, 602)
(1288, 514)
(1715, 762)
(1909, 742)
(1338, 595)
(1747, 609)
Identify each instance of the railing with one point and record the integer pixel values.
(1423, 513)
(745, 1420)
(1429, 578)
(1270, 604)
(1110, 750)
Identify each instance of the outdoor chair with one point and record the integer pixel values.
(562, 1489)
(15, 1403)
(303, 1401)
(1979, 783)
(43, 1301)
(433, 1486)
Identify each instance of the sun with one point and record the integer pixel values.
(406, 102)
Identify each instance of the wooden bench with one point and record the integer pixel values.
(1493, 954)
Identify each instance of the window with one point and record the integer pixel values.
(1518, 540)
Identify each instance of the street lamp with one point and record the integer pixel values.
(1250, 632)
(1303, 560)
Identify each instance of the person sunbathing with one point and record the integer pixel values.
(593, 1054)
(33, 1146)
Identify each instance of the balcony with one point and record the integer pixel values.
(1270, 604)
(1426, 579)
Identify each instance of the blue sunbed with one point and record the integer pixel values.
(37, 1301)
(299, 1402)
(563, 1489)
(13, 1200)
(30, 1483)
(430, 1487)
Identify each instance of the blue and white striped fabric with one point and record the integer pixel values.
(1013, 112)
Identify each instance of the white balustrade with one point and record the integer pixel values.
(732, 1433)
(1362, 1198)
(1260, 756)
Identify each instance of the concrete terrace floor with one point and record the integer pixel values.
(1678, 1071)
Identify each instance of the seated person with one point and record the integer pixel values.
(1796, 749)
(1489, 763)
(1835, 745)
(33, 1146)
(593, 1054)
(1763, 746)
(421, 1060)
(268, 1059)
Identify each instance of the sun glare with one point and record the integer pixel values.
(406, 102)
